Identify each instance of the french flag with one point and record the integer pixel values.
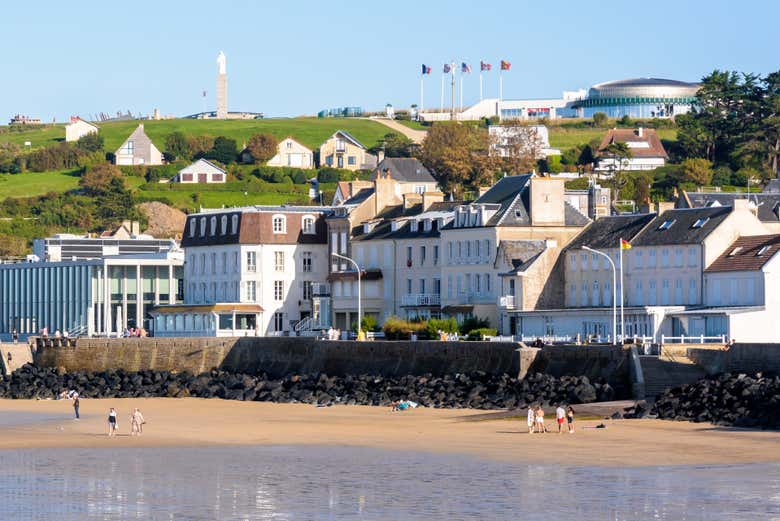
(426, 69)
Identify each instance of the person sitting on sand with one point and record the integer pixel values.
(531, 418)
(112, 425)
(570, 418)
(136, 422)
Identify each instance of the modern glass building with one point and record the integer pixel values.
(639, 98)
(88, 297)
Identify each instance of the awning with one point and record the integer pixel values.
(352, 275)
(718, 311)
(207, 308)
(464, 308)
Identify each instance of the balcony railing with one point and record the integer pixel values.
(421, 299)
(320, 289)
(506, 301)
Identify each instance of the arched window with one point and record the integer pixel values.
(213, 226)
(308, 224)
(234, 225)
(223, 227)
(193, 227)
(279, 224)
(202, 226)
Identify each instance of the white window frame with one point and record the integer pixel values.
(279, 223)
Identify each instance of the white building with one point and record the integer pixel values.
(647, 151)
(138, 149)
(663, 271)
(510, 140)
(292, 153)
(78, 128)
(202, 172)
(251, 271)
(507, 109)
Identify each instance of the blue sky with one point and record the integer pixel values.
(297, 57)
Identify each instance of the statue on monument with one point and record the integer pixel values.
(221, 63)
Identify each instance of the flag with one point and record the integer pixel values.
(426, 69)
(465, 67)
(447, 68)
(484, 66)
(505, 65)
(625, 245)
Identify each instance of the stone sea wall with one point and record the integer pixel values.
(280, 356)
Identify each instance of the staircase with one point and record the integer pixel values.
(20, 355)
(661, 374)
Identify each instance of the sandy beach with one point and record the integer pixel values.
(193, 422)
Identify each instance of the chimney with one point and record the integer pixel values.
(547, 201)
(380, 156)
(662, 206)
(428, 198)
(385, 193)
(411, 199)
(639, 132)
(741, 205)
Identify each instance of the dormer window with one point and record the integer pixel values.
(666, 225)
(762, 251)
(223, 225)
(700, 222)
(193, 227)
(414, 226)
(279, 224)
(213, 226)
(735, 251)
(427, 225)
(308, 225)
(234, 225)
(202, 226)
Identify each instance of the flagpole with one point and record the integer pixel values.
(422, 77)
(622, 324)
(452, 97)
(500, 89)
(480, 81)
(461, 91)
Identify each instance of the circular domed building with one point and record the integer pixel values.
(639, 98)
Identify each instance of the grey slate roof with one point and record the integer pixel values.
(519, 254)
(349, 137)
(682, 231)
(606, 232)
(767, 202)
(406, 169)
(359, 197)
(383, 229)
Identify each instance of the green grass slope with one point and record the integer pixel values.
(31, 184)
(312, 132)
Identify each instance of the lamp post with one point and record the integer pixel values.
(614, 291)
(360, 309)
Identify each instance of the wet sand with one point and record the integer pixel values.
(193, 422)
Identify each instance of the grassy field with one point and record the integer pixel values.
(31, 184)
(312, 132)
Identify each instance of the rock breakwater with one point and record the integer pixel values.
(475, 390)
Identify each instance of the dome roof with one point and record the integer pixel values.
(637, 87)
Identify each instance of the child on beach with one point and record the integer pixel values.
(540, 420)
(570, 418)
(136, 423)
(112, 425)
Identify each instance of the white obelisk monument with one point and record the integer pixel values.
(222, 110)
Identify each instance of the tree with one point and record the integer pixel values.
(262, 147)
(395, 145)
(200, 146)
(697, 170)
(457, 155)
(91, 142)
(620, 154)
(517, 149)
(224, 150)
(178, 146)
(98, 179)
(600, 119)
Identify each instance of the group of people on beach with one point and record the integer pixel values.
(137, 422)
(536, 419)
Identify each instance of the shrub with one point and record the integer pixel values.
(329, 175)
(481, 333)
(369, 323)
(472, 323)
(398, 329)
(434, 325)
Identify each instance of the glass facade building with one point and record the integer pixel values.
(639, 98)
(89, 297)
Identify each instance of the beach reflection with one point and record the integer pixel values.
(292, 483)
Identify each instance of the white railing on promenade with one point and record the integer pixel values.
(693, 339)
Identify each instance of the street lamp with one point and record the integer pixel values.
(614, 291)
(360, 309)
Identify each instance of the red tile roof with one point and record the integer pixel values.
(743, 254)
(630, 136)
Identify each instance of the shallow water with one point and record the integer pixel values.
(325, 483)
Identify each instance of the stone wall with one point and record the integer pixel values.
(741, 358)
(594, 361)
(280, 356)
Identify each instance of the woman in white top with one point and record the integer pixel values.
(531, 418)
(136, 422)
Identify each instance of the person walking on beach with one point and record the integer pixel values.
(76, 405)
(531, 418)
(136, 423)
(112, 422)
(560, 417)
(540, 420)
(570, 418)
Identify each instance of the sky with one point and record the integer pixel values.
(297, 57)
